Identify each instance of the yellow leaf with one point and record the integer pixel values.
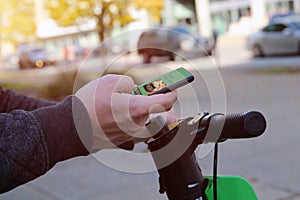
(17, 20)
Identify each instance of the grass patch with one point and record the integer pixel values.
(63, 85)
(21, 88)
(17, 86)
(280, 70)
(10, 76)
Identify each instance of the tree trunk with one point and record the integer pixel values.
(100, 26)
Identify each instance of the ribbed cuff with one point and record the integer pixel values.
(62, 139)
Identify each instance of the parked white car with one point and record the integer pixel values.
(280, 38)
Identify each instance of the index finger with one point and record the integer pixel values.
(155, 103)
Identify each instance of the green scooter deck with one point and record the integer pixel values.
(230, 188)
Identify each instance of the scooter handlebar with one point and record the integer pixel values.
(239, 125)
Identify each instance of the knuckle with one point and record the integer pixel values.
(173, 96)
(110, 78)
(125, 81)
(128, 79)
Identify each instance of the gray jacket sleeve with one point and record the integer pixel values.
(34, 138)
(10, 101)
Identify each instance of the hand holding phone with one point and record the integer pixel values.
(165, 83)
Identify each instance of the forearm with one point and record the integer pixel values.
(10, 101)
(32, 142)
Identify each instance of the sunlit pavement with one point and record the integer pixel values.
(269, 162)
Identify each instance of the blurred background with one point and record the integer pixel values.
(48, 46)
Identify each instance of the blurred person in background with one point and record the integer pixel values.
(215, 35)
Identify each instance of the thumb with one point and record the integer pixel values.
(124, 84)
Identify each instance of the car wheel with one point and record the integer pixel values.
(172, 57)
(257, 51)
(208, 53)
(23, 65)
(146, 58)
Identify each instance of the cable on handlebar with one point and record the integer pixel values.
(215, 172)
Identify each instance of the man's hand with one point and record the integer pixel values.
(117, 116)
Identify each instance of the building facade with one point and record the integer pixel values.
(229, 15)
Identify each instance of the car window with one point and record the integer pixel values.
(296, 25)
(37, 50)
(275, 28)
(157, 34)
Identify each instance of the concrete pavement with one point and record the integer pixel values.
(269, 162)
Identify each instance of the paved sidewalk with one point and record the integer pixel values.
(269, 162)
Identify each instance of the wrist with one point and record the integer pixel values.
(60, 130)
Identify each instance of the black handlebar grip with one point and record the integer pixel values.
(242, 125)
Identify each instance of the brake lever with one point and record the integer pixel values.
(157, 127)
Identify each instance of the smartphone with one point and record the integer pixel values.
(165, 83)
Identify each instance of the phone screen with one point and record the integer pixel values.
(165, 83)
